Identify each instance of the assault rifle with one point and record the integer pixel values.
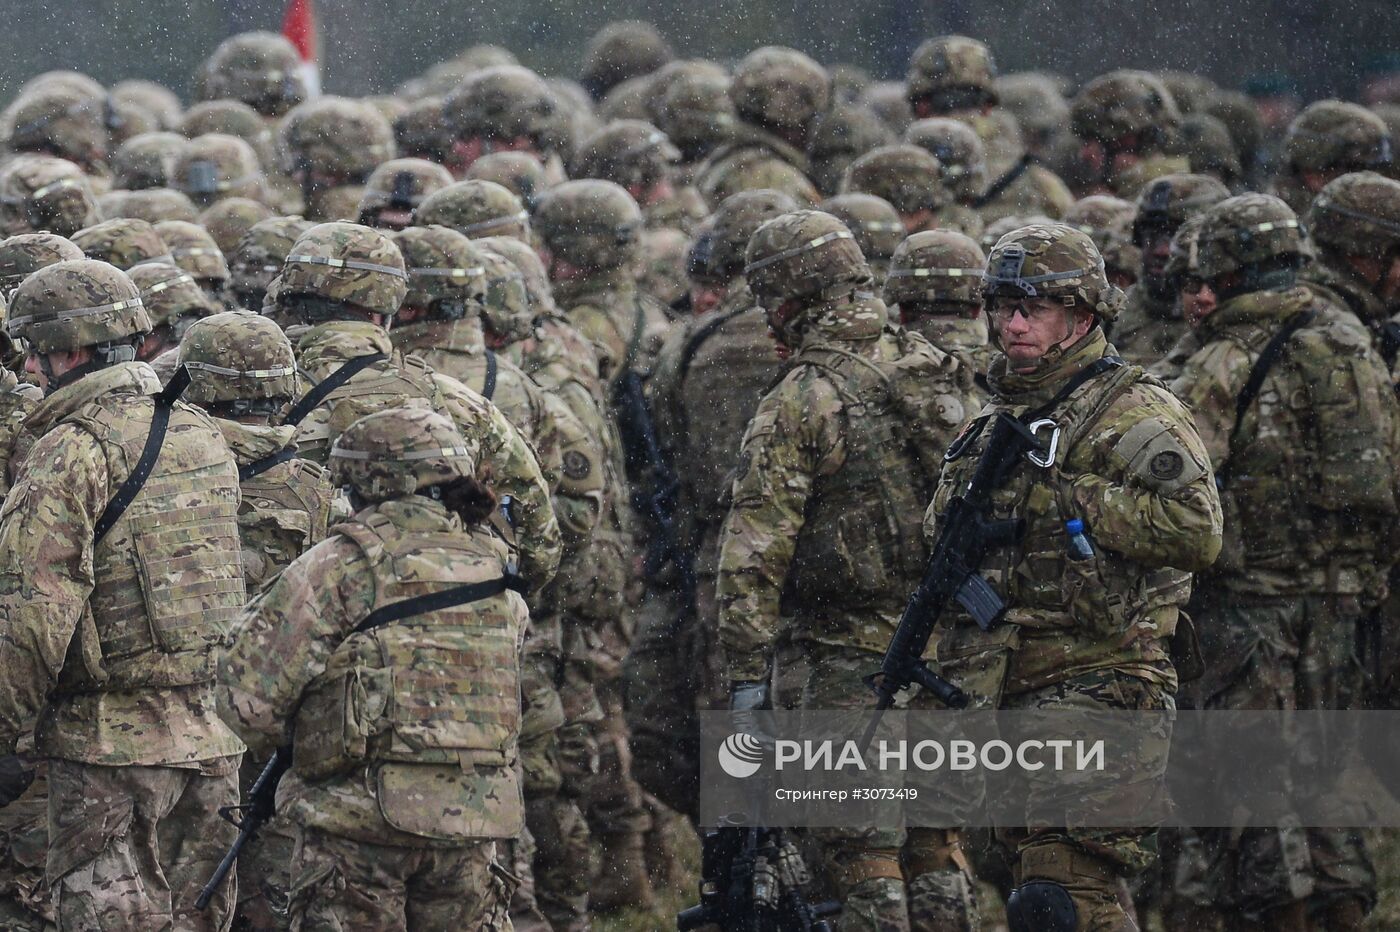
(249, 818)
(753, 880)
(963, 543)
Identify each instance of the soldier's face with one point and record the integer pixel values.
(1198, 301)
(1029, 328)
(59, 364)
(704, 298)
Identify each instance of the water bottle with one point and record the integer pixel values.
(1079, 546)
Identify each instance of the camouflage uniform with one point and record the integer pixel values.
(261, 69)
(809, 466)
(42, 193)
(331, 145)
(1151, 323)
(396, 188)
(139, 761)
(475, 209)
(337, 300)
(1128, 113)
(1130, 465)
(777, 94)
(397, 831)
(1310, 500)
(1328, 139)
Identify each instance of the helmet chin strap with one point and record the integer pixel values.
(103, 355)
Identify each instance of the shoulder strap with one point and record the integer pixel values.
(258, 467)
(434, 601)
(330, 383)
(698, 338)
(1004, 182)
(489, 387)
(129, 489)
(1092, 371)
(1390, 342)
(1272, 353)
(634, 343)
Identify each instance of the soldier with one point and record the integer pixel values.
(935, 286)
(639, 157)
(346, 282)
(153, 205)
(173, 302)
(62, 121)
(810, 464)
(195, 251)
(229, 219)
(123, 243)
(1130, 465)
(1126, 121)
(1304, 446)
(912, 181)
(706, 384)
(1328, 139)
(777, 94)
(261, 69)
(331, 145)
(158, 100)
(243, 374)
(139, 761)
(960, 154)
(213, 167)
(401, 831)
(20, 257)
(518, 172)
(621, 51)
(876, 225)
(501, 108)
(41, 193)
(1208, 145)
(697, 115)
(146, 161)
(232, 118)
(1193, 294)
(474, 209)
(1355, 223)
(1109, 222)
(1151, 323)
(839, 137)
(259, 257)
(396, 188)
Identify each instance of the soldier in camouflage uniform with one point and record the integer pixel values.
(1109, 222)
(398, 831)
(475, 209)
(810, 464)
(705, 386)
(346, 282)
(696, 114)
(154, 205)
(912, 181)
(501, 108)
(330, 146)
(258, 258)
(621, 51)
(396, 188)
(261, 69)
(1329, 139)
(518, 172)
(114, 650)
(877, 227)
(229, 219)
(1126, 121)
(1193, 294)
(173, 302)
(935, 288)
(215, 166)
(63, 121)
(146, 161)
(42, 193)
(124, 243)
(839, 137)
(195, 251)
(1307, 472)
(777, 94)
(242, 372)
(1130, 465)
(1151, 323)
(960, 154)
(231, 118)
(639, 157)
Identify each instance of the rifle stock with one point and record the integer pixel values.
(249, 818)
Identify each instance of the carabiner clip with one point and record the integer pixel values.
(1046, 459)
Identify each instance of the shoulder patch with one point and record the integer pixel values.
(1166, 465)
(576, 465)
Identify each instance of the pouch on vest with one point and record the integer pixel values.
(337, 720)
(494, 806)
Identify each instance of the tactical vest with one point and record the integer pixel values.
(442, 687)
(168, 576)
(1041, 585)
(861, 545)
(382, 385)
(283, 512)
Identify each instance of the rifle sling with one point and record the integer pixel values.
(258, 467)
(435, 601)
(1004, 182)
(131, 487)
(1092, 371)
(488, 389)
(330, 383)
(1272, 353)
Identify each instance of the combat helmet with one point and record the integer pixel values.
(1164, 203)
(590, 224)
(507, 311)
(619, 51)
(258, 257)
(1132, 108)
(1331, 135)
(806, 255)
(905, 175)
(534, 275)
(229, 219)
(396, 188)
(779, 88)
(500, 104)
(172, 297)
(1052, 260)
(419, 131)
(394, 453)
(1257, 235)
(153, 205)
(475, 208)
(959, 151)
(839, 137)
(445, 275)
(875, 223)
(696, 113)
(335, 138)
(631, 153)
(212, 167)
(74, 304)
(339, 268)
(196, 252)
(231, 118)
(520, 173)
(1109, 222)
(146, 161)
(718, 253)
(158, 100)
(936, 267)
(1357, 214)
(26, 253)
(40, 192)
(261, 69)
(950, 73)
(1183, 259)
(61, 121)
(239, 363)
(123, 243)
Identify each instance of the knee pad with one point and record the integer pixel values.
(1041, 906)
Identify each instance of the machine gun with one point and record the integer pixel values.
(249, 818)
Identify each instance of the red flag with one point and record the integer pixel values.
(301, 29)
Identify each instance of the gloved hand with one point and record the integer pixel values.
(15, 777)
(746, 700)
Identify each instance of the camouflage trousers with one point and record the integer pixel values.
(130, 847)
(868, 868)
(340, 885)
(1295, 653)
(25, 903)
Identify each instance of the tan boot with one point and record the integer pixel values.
(622, 875)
